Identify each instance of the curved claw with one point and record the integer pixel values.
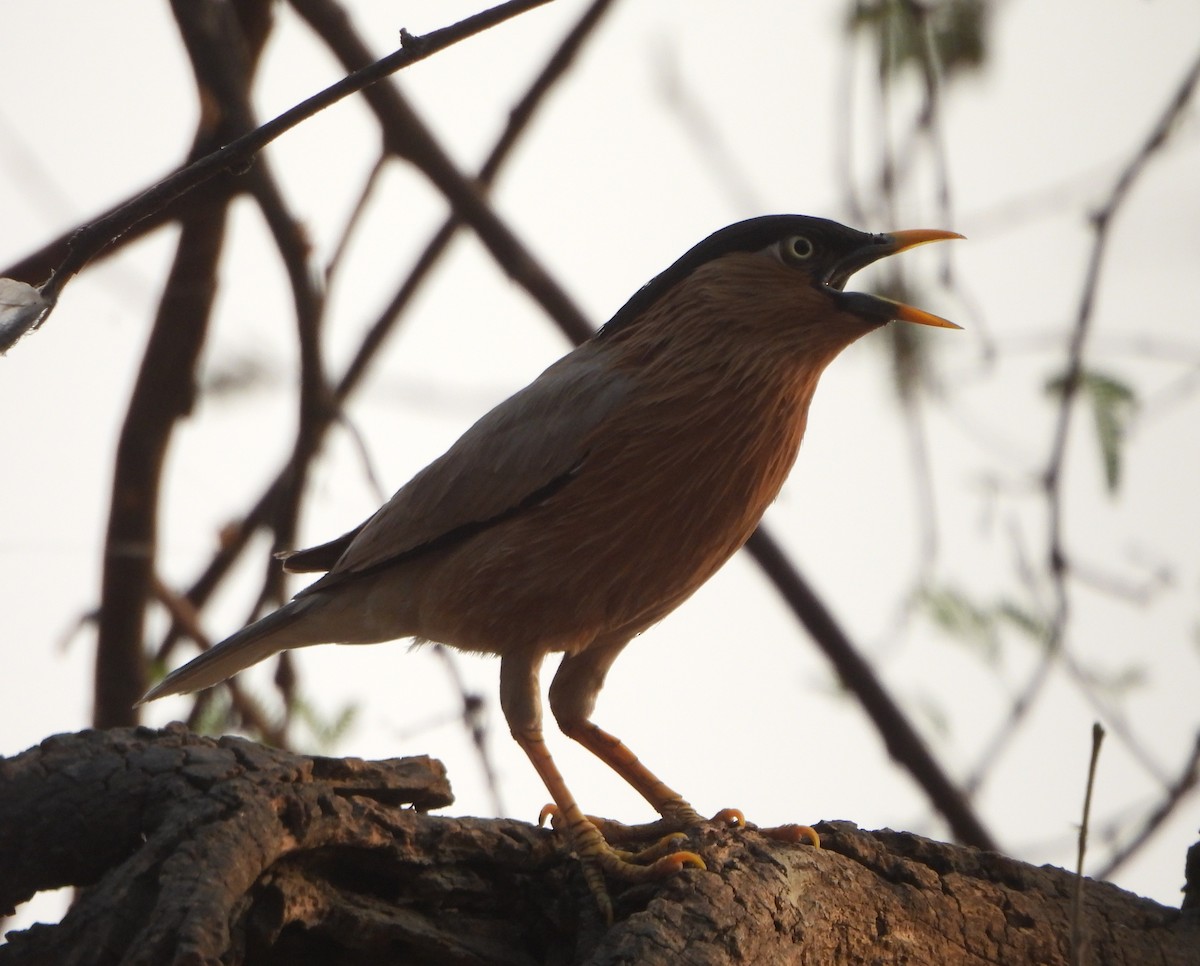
(664, 846)
(645, 860)
(674, 863)
(793, 835)
(624, 871)
(732, 817)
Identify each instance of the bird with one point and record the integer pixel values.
(587, 506)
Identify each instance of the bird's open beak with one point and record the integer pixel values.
(875, 308)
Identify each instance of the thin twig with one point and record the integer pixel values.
(903, 742)
(1078, 927)
(1102, 222)
(472, 721)
(356, 215)
(1058, 608)
(236, 155)
(408, 137)
(1181, 788)
(315, 402)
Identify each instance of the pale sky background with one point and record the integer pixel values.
(727, 700)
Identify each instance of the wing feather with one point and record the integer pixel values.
(523, 449)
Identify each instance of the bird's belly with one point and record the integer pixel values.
(565, 573)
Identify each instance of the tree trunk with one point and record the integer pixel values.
(194, 850)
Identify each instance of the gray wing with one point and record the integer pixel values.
(514, 456)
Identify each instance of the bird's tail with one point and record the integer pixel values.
(274, 633)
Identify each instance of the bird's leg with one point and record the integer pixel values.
(521, 704)
(572, 697)
(616, 754)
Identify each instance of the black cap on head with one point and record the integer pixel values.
(751, 235)
(831, 253)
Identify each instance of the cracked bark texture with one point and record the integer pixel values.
(194, 850)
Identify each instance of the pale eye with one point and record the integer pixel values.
(797, 248)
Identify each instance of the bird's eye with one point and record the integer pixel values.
(796, 249)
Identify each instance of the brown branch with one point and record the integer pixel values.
(162, 394)
(199, 850)
(407, 136)
(518, 120)
(236, 155)
(471, 717)
(1079, 930)
(356, 216)
(316, 404)
(903, 742)
(223, 53)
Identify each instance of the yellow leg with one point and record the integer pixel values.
(572, 698)
(666, 801)
(521, 703)
(597, 856)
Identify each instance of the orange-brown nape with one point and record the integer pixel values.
(590, 504)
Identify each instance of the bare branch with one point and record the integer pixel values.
(1102, 222)
(407, 136)
(1079, 935)
(223, 49)
(902, 741)
(1180, 790)
(236, 155)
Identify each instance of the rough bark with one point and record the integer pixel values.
(196, 850)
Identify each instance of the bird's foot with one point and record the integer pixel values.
(681, 815)
(675, 821)
(600, 859)
(607, 848)
(679, 820)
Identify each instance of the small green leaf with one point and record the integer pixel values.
(1113, 403)
(1023, 620)
(213, 718)
(964, 620)
(326, 732)
(905, 32)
